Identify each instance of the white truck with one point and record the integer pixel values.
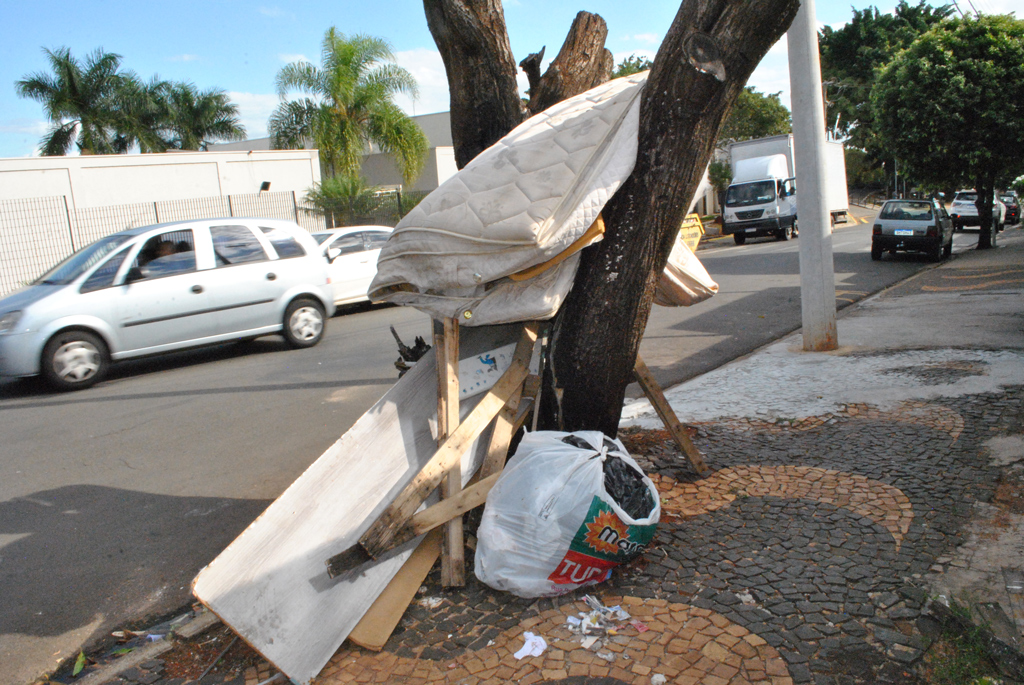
(761, 201)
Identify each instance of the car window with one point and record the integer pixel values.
(284, 243)
(321, 237)
(236, 245)
(167, 254)
(348, 244)
(374, 240)
(83, 260)
(906, 211)
(103, 277)
(966, 197)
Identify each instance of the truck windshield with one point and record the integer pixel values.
(755, 193)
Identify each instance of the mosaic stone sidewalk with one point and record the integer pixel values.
(801, 559)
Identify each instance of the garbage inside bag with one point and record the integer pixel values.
(567, 509)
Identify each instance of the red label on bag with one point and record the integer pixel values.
(602, 542)
(576, 568)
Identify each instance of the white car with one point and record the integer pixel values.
(352, 254)
(161, 288)
(964, 211)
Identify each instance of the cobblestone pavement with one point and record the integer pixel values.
(801, 559)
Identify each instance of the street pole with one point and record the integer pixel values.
(817, 275)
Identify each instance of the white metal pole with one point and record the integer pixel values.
(817, 275)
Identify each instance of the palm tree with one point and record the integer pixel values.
(350, 106)
(81, 100)
(196, 118)
(143, 116)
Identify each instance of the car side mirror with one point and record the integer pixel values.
(134, 274)
(333, 253)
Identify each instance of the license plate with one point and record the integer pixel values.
(904, 231)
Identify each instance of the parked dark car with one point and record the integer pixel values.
(1012, 208)
(914, 226)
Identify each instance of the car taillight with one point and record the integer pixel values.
(876, 229)
(933, 231)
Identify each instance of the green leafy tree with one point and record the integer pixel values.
(632, 65)
(344, 200)
(349, 106)
(951, 107)
(82, 100)
(141, 118)
(197, 118)
(850, 58)
(755, 115)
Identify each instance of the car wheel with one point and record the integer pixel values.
(796, 229)
(876, 252)
(74, 360)
(935, 252)
(304, 323)
(784, 233)
(740, 238)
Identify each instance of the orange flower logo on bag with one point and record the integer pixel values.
(605, 532)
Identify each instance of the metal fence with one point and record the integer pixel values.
(36, 233)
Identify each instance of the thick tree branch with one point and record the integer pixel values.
(582, 63)
(473, 41)
(703, 63)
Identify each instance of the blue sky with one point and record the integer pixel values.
(239, 45)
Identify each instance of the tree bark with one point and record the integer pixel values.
(473, 41)
(700, 69)
(582, 63)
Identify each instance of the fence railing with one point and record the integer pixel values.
(36, 233)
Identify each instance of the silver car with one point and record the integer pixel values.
(915, 226)
(161, 288)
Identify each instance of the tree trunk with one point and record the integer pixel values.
(703, 64)
(985, 186)
(700, 69)
(582, 63)
(473, 41)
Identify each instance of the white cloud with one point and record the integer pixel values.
(649, 38)
(35, 127)
(254, 109)
(184, 58)
(273, 12)
(427, 68)
(772, 74)
(289, 58)
(619, 57)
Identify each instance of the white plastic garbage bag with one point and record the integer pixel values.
(684, 281)
(559, 516)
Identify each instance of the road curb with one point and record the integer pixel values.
(199, 623)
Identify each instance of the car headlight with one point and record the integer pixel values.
(8, 321)
(770, 211)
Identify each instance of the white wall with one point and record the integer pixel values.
(103, 180)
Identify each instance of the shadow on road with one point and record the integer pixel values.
(86, 550)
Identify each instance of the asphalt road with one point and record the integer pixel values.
(112, 498)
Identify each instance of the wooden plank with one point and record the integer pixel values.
(377, 540)
(653, 391)
(471, 497)
(501, 436)
(374, 629)
(270, 585)
(446, 341)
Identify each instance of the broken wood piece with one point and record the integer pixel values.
(469, 498)
(446, 342)
(501, 436)
(653, 391)
(377, 624)
(378, 539)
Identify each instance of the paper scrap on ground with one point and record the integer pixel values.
(535, 646)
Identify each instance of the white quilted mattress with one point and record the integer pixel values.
(517, 204)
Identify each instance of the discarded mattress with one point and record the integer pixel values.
(684, 281)
(527, 198)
